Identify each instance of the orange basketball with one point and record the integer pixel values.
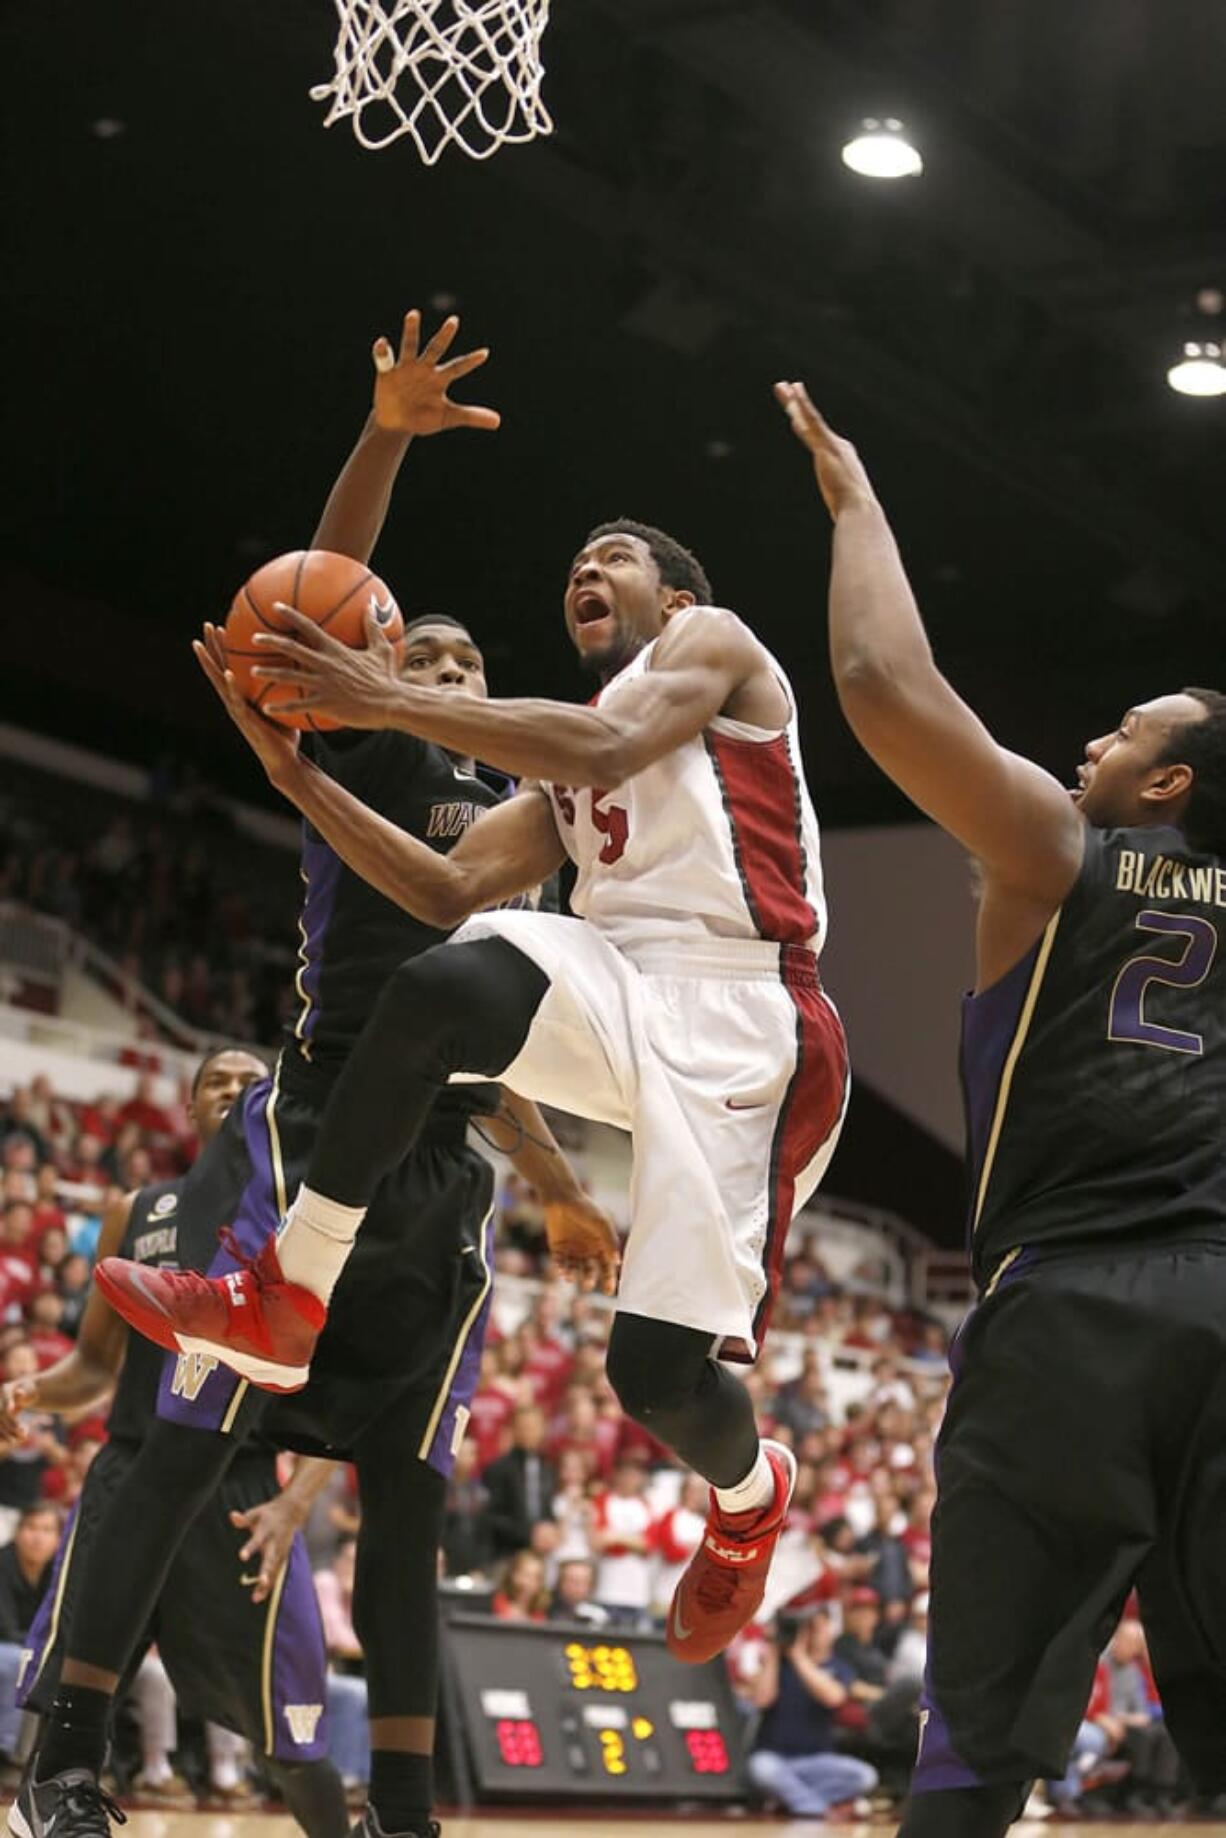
(333, 590)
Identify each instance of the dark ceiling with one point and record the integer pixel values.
(189, 299)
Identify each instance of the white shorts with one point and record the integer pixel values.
(727, 1063)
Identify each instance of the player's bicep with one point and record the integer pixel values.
(693, 675)
(509, 850)
(1015, 817)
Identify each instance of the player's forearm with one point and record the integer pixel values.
(357, 506)
(878, 644)
(528, 738)
(398, 865)
(75, 1383)
(311, 1475)
(520, 1131)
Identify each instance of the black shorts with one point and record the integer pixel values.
(1083, 1452)
(408, 1317)
(256, 1667)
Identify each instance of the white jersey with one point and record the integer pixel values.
(718, 839)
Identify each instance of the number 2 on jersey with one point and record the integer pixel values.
(1127, 1018)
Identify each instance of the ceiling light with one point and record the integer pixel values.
(1199, 372)
(881, 150)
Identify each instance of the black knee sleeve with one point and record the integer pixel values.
(666, 1380)
(964, 1812)
(395, 1591)
(314, 1793)
(456, 1008)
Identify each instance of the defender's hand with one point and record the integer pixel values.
(583, 1243)
(354, 686)
(16, 1396)
(411, 390)
(272, 1527)
(275, 747)
(841, 477)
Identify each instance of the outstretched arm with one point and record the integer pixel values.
(410, 399)
(1017, 819)
(508, 850)
(699, 663)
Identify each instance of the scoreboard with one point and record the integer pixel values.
(549, 1710)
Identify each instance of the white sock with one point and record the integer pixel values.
(315, 1241)
(753, 1493)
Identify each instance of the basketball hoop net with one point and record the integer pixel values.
(467, 71)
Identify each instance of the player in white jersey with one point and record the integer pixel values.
(683, 1004)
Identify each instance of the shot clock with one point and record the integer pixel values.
(556, 1712)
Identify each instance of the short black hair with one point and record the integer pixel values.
(1202, 746)
(439, 619)
(678, 567)
(210, 1056)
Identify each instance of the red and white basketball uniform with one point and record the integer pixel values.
(685, 1006)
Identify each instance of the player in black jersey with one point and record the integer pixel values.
(396, 1401)
(1083, 1450)
(254, 1662)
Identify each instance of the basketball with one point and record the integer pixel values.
(333, 590)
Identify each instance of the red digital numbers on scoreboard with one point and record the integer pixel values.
(519, 1743)
(707, 1751)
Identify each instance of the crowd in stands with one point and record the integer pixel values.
(561, 1507)
(144, 883)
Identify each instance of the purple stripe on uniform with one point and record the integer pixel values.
(299, 1666)
(989, 1023)
(253, 1224)
(938, 1765)
(321, 870)
(441, 1454)
(34, 1646)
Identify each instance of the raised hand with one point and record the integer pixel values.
(583, 1243)
(841, 477)
(411, 389)
(275, 747)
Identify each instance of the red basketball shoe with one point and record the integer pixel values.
(251, 1319)
(722, 1586)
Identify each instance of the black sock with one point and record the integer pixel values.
(314, 1793)
(75, 1733)
(401, 1789)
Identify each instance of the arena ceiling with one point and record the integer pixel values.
(195, 268)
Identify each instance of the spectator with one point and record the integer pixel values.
(572, 1505)
(800, 1686)
(521, 1595)
(622, 1538)
(349, 1738)
(25, 1571)
(45, 1316)
(466, 1542)
(890, 1575)
(573, 1597)
(1133, 1720)
(910, 1655)
(803, 1406)
(857, 1646)
(73, 1283)
(521, 1484)
(677, 1535)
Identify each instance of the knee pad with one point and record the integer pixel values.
(654, 1367)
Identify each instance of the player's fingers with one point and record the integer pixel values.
(410, 335)
(442, 341)
(286, 672)
(300, 705)
(309, 634)
(457, 367)
(464, 415)
(375, 628)
(383, 355)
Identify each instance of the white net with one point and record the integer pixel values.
(442, 71)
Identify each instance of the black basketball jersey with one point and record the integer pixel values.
(1094, 1072)
(352, 936)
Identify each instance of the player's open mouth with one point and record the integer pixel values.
(590, 609)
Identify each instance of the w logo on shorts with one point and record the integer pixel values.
(303, 1720)
(192, 1371)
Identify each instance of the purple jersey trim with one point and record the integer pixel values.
(298, 1683)
(441, 1453)
(321, 871)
